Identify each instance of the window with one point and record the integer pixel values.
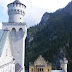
(38, 69)
(14, 10)
(17, 10)
(48, 70)
(13, 32)
(42, 69)
(21, 12)
(22, 6)
(20, 32)
(13, 4)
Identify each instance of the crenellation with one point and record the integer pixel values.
(16, 5)
(16, 11)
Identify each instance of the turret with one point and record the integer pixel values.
(63, 64)
(16, 12)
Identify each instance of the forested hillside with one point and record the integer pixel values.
(51, 38)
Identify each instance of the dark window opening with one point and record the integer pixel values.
(13, 32)
(48, 70)
(14, 10)
(42, 69)
(17, 10)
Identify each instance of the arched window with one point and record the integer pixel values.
(42, 69)
(20, 32)
(13, 32)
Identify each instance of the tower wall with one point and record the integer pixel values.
(16, 12)
(18, 34)
(18, 30)
(63, 64)
(15, 18)
(64, 67)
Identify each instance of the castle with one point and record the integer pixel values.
(40, 65)
(13, 45)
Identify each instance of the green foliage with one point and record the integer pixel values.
(50, 38)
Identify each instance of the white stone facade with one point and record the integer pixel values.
(6, 59)
(9, 67)
(63, 64)
(16, 12)
(18, 34)
(18, 31)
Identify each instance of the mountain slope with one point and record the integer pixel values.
(51, 38)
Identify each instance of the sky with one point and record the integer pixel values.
(34, 9)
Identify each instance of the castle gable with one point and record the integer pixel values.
(40, 65)
(40, 61)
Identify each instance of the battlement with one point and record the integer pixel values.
(16, 5)
(16, 11)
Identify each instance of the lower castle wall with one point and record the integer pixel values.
(9, 67)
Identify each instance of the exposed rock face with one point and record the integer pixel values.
(44, 19)
(68, 8)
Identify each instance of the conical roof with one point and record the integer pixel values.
(17, 2)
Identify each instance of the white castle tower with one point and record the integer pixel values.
(18, 29)
(63, 64)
